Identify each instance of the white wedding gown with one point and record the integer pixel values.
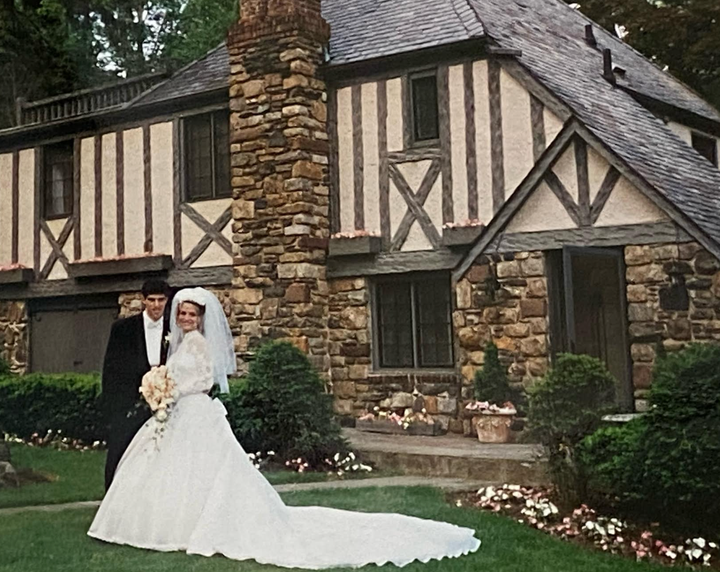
(193, 488)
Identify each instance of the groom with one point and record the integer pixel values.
(135, 345)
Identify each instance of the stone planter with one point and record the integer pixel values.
(354, 245)
(118, 266)
(493, 427)
(392, 428)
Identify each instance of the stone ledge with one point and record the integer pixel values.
(115, 266)
(16, 276)
(356, 245)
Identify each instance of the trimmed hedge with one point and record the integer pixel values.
(39, 402)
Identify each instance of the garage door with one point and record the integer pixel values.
(70, 335)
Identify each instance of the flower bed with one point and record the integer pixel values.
(534, 507)
(400, 422)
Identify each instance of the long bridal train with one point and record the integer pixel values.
(192, 488)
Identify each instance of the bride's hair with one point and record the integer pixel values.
(201, 313)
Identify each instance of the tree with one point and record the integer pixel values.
(681, 34)
(200, 26)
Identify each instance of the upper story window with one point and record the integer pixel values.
(424, 105)
(706, 146)
(413, 322)
(58, 180)
(207, 156)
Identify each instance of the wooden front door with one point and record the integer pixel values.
(589, 314)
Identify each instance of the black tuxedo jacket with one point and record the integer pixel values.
(125, 365)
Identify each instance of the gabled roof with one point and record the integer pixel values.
(550, 35)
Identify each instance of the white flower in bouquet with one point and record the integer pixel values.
(159, 391)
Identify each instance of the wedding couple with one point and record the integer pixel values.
(187, 484)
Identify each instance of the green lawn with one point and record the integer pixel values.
(38, 542)
(78, 476)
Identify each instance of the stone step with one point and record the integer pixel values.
(452, 456)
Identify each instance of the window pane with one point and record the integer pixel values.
(395, 324)
(425, 108)
(58, 179)
(434, 326)
(198, 157)
(706, 146)
(222, 155)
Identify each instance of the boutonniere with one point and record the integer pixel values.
(166, 340)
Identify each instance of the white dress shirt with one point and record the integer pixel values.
(153, 338)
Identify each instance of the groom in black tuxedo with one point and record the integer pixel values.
(136, 344)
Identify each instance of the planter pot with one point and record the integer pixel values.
(493, 427)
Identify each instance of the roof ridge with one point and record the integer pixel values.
(459, 13)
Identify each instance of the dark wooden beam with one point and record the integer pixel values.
(57, 246)
(76, 215)
(147, 180)
(209, 276)
(470, 140)
(597, 236)
(497, 153)
(334, 162)
(606, 189)
(448, 209)
(384, 163)
(415, 203)
(537, 124)
(393, 263)
(583, 180)
(559, 190)
(120, 191)
(358, 158)
(213, 233)
(98, 196)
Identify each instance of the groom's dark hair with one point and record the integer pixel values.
(155, 287)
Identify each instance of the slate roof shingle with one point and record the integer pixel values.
(550, 35)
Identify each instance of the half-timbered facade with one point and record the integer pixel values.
(472, 170)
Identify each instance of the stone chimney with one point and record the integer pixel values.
(279, 150)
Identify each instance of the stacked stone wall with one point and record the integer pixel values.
(279, 158)
(673, 294)
(14, 335)
(503, 299)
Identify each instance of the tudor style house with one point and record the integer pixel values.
(389, 185)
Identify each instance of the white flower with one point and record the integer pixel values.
(699, 542)
(161, 415)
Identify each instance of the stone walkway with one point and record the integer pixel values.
(449, 485)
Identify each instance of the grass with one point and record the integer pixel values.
(78, 476)
(37, 542)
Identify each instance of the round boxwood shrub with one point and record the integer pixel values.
(281, 406)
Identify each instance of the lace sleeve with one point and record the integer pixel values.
(202, 377)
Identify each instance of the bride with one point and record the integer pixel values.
(187, 484)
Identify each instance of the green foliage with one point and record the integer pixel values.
(667, 463)
(38, 402)
(611, 459)
(565, 406)
(200, 26)
(4, 368)
(682, 439)
(281, 406)
(491, 382)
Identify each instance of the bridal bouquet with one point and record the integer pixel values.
(159, 390)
